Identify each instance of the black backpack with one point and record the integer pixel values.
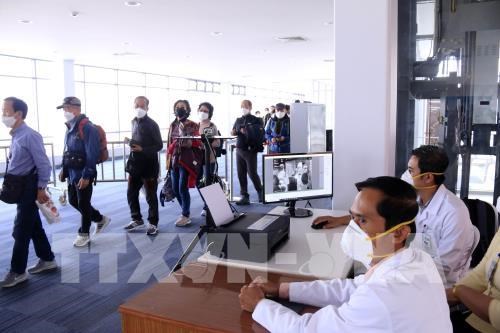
(485, 217)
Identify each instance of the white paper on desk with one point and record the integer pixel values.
(217, 204)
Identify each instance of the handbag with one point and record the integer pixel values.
(167, 191)
(12, 188)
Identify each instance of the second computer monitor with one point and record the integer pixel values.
(292, 177)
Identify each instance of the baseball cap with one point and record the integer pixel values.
(70, 101)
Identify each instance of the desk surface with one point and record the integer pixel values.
(308, 252)
(202, 298)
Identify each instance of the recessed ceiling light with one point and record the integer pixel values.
(328, 60)
(133, 3)
(289, 39)
(75, 13)
(328, 23)
(25, 21)
(216, 33)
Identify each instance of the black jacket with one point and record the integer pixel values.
(242, 140)
(146, 133)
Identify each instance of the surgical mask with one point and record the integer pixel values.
(69, 116)
(280, 114)
(407, 177)
(140, 113)
(202, 116)
(180, 113)
(8, 121)
(245, 111)
(358, 245)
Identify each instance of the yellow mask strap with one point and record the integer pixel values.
(426, 173)
(390, 230)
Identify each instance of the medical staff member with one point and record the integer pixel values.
(479, 291)
(401, 292)
(444, 228)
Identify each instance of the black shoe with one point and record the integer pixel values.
(243, 201)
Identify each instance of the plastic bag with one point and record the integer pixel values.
(49, 211)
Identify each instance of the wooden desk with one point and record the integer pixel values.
(182, 304)
(308, 252)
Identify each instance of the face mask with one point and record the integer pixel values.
(69, 116)
(139, 113)
(280, 114)
(358, 245)
(8, 121)
(409, 179)
(180, 113)
(202, 116)
(244, 111)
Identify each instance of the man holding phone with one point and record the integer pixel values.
(143, 166)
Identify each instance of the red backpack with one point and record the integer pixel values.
(103, 142)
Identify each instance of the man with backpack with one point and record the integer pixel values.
(143, 166)
(250, 136)
(84, 147)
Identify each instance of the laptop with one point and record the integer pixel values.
(218, 206)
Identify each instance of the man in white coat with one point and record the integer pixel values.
(401, 292)
(444, 228)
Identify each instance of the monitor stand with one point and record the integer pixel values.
(297, 212)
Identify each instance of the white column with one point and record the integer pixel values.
(365, 94)
(69, 78)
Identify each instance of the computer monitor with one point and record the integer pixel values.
(292, 177)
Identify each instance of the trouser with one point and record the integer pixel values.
(80, 199)
(180, 187)
(150, 186)
(28, 226)
(246, 162)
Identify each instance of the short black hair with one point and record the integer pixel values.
(144, 98)
(432, 159)
(210, 108)
(18, 105)
(280, 106)
(399, 203)
(187, 106)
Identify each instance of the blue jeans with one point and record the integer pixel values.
(180, 187)
(27, 227)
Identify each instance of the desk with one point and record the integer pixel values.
(308, 252)
(180, 304)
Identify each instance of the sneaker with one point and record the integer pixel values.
(81, 240)
(203, 212)
(152, 230)
(243, 201)
(101, 225)
(182, 221)
(42, 266)
(12, 279)
(134, 225)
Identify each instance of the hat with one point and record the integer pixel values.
(70, 101)
(280, 106)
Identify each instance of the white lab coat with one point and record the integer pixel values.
(445, 231)
(403, 294)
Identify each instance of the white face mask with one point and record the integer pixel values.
(244, 111)
(407, 177)
(356, 245)
(202, 116)
(280, 114)
(69, 116)
(139, 113)
(8, 121)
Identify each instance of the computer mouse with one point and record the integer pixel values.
(319, 225)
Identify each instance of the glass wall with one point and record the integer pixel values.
(453, 88)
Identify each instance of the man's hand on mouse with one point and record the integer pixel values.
(332, 221)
